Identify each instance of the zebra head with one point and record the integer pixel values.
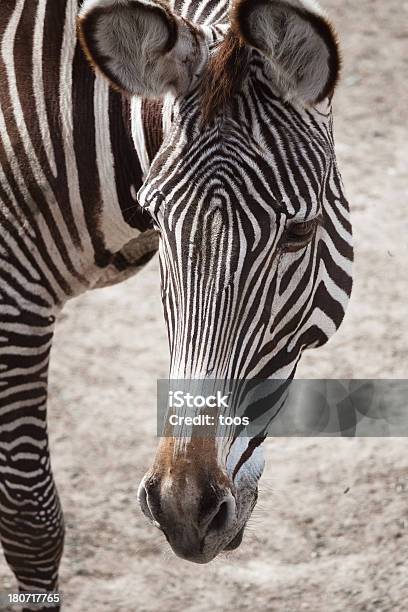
(256, 247)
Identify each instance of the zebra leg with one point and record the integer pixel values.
(130, 259)
(31, 522)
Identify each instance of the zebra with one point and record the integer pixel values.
(202, 130)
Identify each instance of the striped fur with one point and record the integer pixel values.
(69, 219)
(241, 299)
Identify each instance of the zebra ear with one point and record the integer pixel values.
(298, 40)
(141, 47)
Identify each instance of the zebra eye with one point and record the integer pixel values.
(298, 235)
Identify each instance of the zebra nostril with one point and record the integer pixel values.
(222, 516)
(142, 499)
(146, 498)
(220, 519)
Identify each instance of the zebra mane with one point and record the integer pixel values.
(224, 75)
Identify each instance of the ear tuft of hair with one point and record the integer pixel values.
(299, 41)
(141, 46)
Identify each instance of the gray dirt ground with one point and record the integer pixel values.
(330, 533)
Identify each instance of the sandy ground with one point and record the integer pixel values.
(330, 532)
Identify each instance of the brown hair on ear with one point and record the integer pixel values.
(224, 76)
(240, 24)
(86, 32)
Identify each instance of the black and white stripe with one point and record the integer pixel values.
(73, 156)
(237, 304)
(69, 177)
